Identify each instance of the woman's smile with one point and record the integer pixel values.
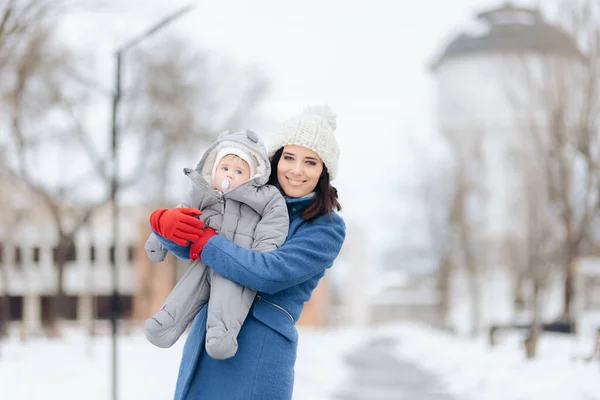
(295, 182)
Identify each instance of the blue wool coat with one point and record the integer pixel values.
(263, 368)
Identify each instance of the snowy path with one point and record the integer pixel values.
(377, 374)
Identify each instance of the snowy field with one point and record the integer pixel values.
(71, 368)
(471, 370)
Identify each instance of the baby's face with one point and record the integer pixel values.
(231, 168)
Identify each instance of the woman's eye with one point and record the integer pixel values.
(288, 158)
(313, 163)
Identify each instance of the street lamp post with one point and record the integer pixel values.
(115, 303)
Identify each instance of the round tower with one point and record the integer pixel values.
(477, 76)
(473, 70)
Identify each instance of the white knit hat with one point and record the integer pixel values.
(314, 129)
(238, 151)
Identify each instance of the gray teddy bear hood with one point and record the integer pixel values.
(245, 140)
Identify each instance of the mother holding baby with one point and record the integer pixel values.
(304, 161)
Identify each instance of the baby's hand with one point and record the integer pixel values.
(179, 225)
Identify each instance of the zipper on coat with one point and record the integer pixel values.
(260, 299)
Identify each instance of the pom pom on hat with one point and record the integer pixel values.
(313, 129)
(324, 111)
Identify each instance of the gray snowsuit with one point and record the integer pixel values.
(254, 216)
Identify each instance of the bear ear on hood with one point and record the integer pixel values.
(223, 134)
(252, 136)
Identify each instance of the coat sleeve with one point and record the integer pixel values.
(272, 230)
(308, 252)
(179, 251)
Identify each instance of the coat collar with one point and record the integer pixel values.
(297, 204)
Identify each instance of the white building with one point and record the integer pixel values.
(28, 239)
(474, 75)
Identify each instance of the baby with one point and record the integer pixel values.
(230, 191)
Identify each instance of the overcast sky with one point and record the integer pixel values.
(367, 58)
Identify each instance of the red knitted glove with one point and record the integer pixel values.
(179, 225)
(198, 245)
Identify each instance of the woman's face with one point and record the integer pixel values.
(298, 170)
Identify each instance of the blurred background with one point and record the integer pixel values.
(469, 180)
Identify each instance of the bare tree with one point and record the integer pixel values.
(467, 235)
(533, 254)
(46, 106)
(555, 99)
(31, 92)
(436, 194)
(454, 195)
(181, 112)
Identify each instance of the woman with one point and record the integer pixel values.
(304, 160)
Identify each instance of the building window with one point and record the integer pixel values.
(70, 253)
(92, 253)
(111, 255)
(130, 253)
(103, 306)
(14, 310)
(36, 254)
(18, 257)
(67, 309)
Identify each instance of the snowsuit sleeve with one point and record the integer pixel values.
(272, 230)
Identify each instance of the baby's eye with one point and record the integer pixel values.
(225, 169)
(239, 172)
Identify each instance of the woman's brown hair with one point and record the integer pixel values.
(326, 196)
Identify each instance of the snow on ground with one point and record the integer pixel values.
(73, 369)
(471, 370)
